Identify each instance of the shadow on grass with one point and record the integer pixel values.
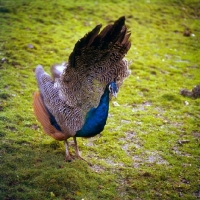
(31, 171)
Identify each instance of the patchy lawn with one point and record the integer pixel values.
(150, 146)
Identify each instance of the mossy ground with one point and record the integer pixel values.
(150, 146)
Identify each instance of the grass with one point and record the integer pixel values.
(150, 146)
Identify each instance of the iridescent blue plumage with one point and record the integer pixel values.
(96, 117)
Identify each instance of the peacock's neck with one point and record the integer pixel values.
(104, 99)
(96, 118)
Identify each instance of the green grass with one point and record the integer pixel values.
(149, 148)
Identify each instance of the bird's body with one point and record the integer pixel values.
(75, 102)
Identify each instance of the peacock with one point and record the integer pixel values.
(74, 102)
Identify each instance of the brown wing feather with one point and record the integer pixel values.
(43, 117)
(96, 60)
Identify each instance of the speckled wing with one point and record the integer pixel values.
(70, 119)
(96, 60)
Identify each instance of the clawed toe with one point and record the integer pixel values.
(68, 158)
(79, 157)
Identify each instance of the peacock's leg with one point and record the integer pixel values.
(77, 151)
(76, 148)
(68, 157)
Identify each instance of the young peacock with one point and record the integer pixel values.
(75, 102)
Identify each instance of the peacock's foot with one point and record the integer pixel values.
(78, 153)
(79, 157)
(68, 158)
